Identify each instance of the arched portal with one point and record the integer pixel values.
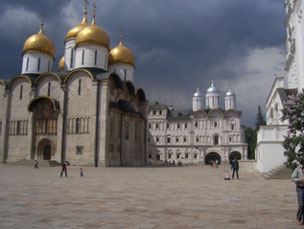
(47, 152)
(235, 154)
(212, 156)
(45, 149)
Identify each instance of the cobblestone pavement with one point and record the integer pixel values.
(165, 197)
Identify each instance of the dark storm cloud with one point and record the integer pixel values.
(176, 43)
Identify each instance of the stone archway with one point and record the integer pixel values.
(45, 149)
(234, 154)
(212, 156)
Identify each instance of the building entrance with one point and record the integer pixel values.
(213, 156)
(47, 152)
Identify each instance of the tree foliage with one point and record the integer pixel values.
(260, 119)
(251, 140)
(293, 112)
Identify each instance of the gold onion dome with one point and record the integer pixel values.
(73, 32)
(93, 35)
(39, 43)
(61, 64)
(121, 55)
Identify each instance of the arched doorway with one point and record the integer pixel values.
(45, 148)
(47, 152)
(234, 154)
(212, 156)
(157, 157)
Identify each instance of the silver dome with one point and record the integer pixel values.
(198, 93)
(213, 89)
(230, 93)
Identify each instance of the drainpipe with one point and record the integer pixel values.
(121, 136)
(97, 125)
(64, 113)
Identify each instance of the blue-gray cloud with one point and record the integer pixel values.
(178, 45)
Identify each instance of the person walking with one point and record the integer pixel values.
(235, 167)
(36, 165)
(298, 178)
(81, 172)
(64, 169)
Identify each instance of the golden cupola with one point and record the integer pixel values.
(73, 32)
(39, 43)
(61, 64)
(121, 55)
(93, 35)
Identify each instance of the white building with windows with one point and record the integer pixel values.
(197, 135)
(88, 112)
(269, 151)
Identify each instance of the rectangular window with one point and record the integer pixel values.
(27, 63)
(79, 87)
(232, 127)
(154, 112)
(160, 112)
(79, 150)
(168, 125)
(157, 140)
(187, 155)
(95, 59)
(72, 56)
(38, 66)
(215, 124)
(177, 139)
(49, 89)
(177, 156)
(168, 140)
(178, 125)
(82, 58)
(156, 126)
(195, 156)
(196, 124)
(186, 125)
(106, 61)
(49, 65)
(21, 91)
(169, 155)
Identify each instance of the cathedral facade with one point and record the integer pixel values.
(199, 135)
(88, 112)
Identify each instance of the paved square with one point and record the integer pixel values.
(170, 197)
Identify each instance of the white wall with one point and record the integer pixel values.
(30, 63)
(125, 71)
(89, 57)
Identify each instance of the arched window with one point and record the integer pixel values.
(38, 65)
(178, 125)
(185, 139)
(27, 63)
(71, 60)
(95, 58)
(127, 131)
(49, 89)
(82, 58)
(216, 139)
(215, 124)
(21, 92)
(79, 87)
(77, 125)
(49, 65)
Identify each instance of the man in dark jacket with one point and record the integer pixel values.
(235, 167)
(64, 169)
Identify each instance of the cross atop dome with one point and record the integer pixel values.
(42, 22)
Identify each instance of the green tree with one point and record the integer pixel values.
(260, 119)
(251, 140)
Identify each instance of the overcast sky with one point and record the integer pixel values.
(178, 45)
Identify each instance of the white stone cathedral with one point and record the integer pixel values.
(88, 112)
(199, 135)
(270, 152)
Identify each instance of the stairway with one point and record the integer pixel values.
(281, 172)
(41, 163)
